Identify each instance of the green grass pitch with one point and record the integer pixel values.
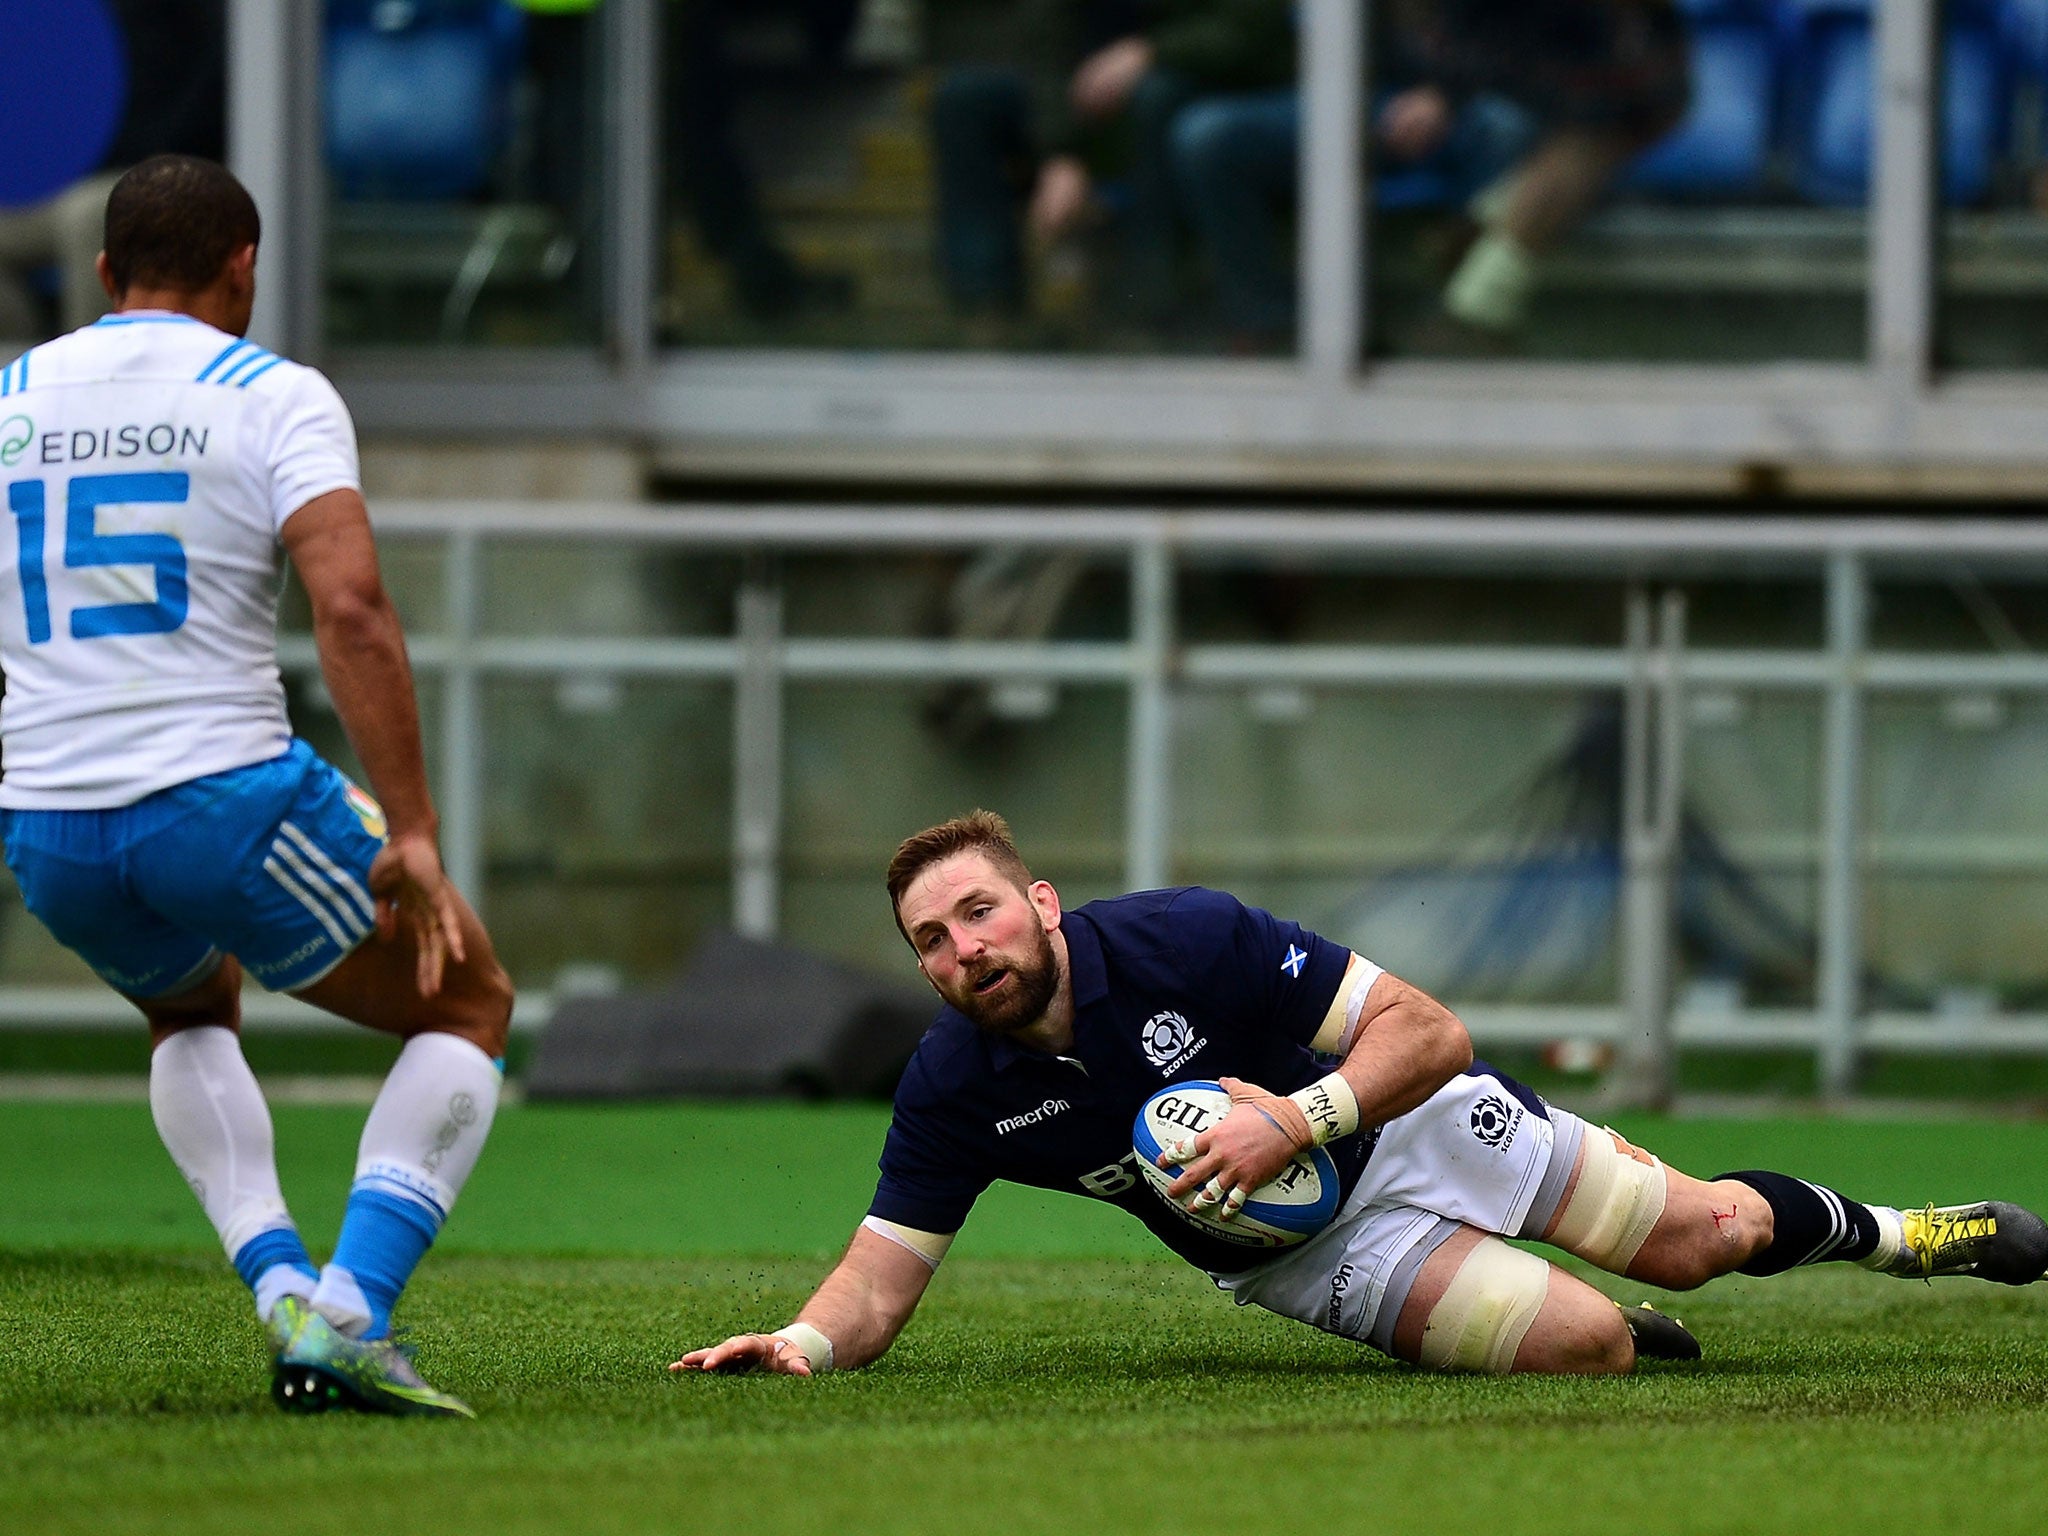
(1062, 1377)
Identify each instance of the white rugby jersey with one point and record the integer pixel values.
(147, 463)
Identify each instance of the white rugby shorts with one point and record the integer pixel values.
(1483, 1151)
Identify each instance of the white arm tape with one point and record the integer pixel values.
(1340, 1024)
(809, 1343)
(929, 1246)
(1331, 1107)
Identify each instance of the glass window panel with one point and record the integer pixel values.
(1677, 180)
(607, 834)
(1324, 603)
(870, 764)
(175, 56)
(1455, 838)
(586, 588)
(1010, 593)
(1994, 242)
(1964, 609)
(463, 149)
(1958, 843)
(1748, 892)
(1032, 175)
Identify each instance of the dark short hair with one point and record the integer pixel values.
(982, 832)
(173, 222)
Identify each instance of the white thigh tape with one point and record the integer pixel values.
(1618, 1200)
(1488, 1309)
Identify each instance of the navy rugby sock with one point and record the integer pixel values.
(1813, 1224)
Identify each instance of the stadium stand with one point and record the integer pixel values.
(419, 115)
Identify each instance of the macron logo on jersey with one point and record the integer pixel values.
(1296, 959)
(1030, 1117)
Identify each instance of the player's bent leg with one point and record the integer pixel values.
(1480, 1305)
(215, 1001)
(1626, 1211)
(377, 985)
(211, 1116)
(432, 1116)
(1708, 1228)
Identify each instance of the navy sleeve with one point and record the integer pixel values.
(929, 1181)
(1261, 967)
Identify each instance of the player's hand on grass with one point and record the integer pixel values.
(1248, 1147)
(412, 891)
(747, 1352)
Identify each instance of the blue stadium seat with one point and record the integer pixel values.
(418, 99)
(1832, 97)
(1723, 147)
(2023, 32)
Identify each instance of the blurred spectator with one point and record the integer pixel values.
(177, 89)
(1074, 123)
(1565, 92)
(712, 175)
(1603, 79)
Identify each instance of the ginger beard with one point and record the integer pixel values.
(1018, 990)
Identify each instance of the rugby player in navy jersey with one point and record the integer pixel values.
(1058, 1025)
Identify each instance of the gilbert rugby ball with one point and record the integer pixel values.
(1289, 1209)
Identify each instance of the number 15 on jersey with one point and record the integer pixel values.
(85, 545)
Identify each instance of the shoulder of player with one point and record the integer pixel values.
(1161, 919)
(947, 1054)
(263, 374)
(14, 376)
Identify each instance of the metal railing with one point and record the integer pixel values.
(1651, 669)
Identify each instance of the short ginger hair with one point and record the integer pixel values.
(982, 832)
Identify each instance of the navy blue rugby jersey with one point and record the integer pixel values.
(1168, 986)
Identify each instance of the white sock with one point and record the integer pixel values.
(1891, 1234)
(1492, 285)
(213, 1120)
(216, 1126)
(419, 1146)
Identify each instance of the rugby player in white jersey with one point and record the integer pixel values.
(160, 817)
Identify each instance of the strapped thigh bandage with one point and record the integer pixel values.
(1481, 1319)
(1620, 1195)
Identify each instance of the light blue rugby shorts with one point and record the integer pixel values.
(269, 863)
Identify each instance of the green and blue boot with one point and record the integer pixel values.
(318, 1368)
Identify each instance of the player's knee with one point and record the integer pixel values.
(1486, 1312)
(476, 1005)
(1717, 1228)
(1604, 1347)
(492, 1008)
(1620, 1194)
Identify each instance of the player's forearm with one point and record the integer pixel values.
(1404, 1052)
(362, 658)
(847, 1310)
(866, 1301)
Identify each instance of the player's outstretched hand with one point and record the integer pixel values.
(412, 889)
(1247, 1148)
(747, 1352)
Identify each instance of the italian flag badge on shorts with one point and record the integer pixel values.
(368, 812)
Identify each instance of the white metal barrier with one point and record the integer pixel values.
(1651, 669)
